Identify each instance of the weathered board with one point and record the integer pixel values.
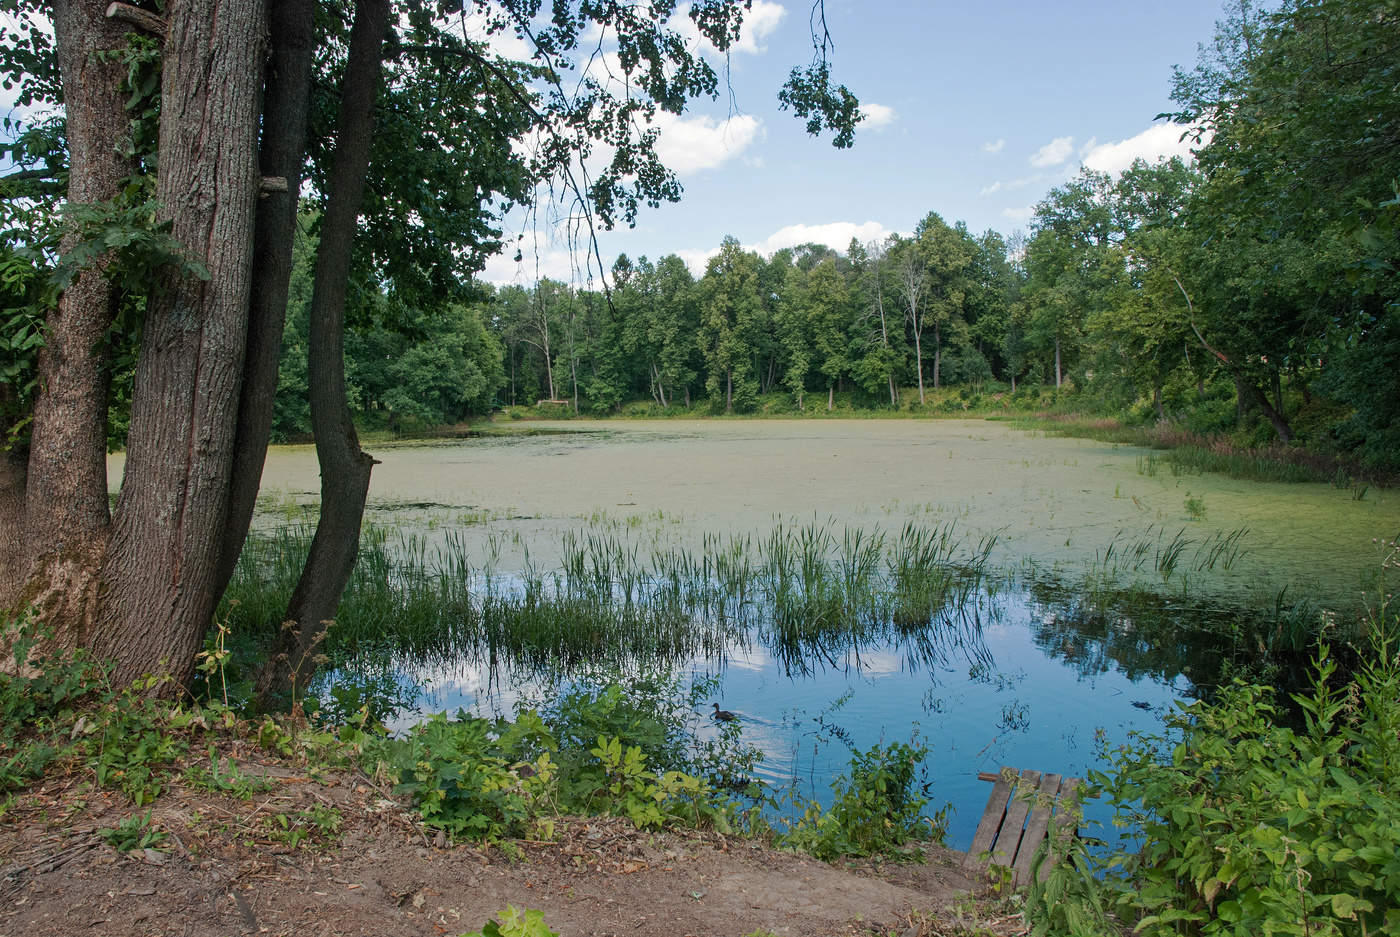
(1024, 808)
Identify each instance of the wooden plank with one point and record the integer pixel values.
(1036, 826)
(1009, 839)
(990, 823)
(1066, 823)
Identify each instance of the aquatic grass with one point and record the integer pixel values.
(1170, 555)
(803, 590)
(1221, 548)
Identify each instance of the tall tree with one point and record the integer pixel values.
(142, 587)
(876, 340)
(948, 253)
(911, 285)
(731, 316)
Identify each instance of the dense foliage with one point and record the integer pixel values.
(1235, 822)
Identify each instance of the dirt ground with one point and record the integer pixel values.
(228, 867)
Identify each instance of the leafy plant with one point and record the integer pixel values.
(513, 923)
(134, 832)
(877, 808)
(316, 823)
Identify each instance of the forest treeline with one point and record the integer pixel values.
(1251, 290)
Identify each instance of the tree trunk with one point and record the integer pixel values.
(1157, 400)
(286, 98)
(1058, 376)
(345, 468)
(14, 552)
(729, 391)
(830, 398)
(919, 364)
(161, 567)
(1275, 416)
(64, 498)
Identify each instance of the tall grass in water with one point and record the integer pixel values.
(1122, 557)
(806, 592)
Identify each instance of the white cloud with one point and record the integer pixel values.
(506, 44)
(1018, 215)
(696, 259)
(995, 146)
(877, 116)
(692, 144)
(557, 263)
(760, 21)
(1006, 185)
(1053, 153)
(1160, 141)
(836, 235)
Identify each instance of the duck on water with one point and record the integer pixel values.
(722, 715)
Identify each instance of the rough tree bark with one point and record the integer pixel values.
(65, 486)
(345, 467)
(13, 548)
(286, 99)
(160, 568)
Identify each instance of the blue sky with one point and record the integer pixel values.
(979, 109)
(976, 110)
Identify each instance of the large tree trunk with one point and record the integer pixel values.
(13, 548)
(345, 468)
(161, 567)
(286, 97)
(65, 516)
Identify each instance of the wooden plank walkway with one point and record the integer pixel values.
(1019, 816)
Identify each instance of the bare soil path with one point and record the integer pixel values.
(226, 868)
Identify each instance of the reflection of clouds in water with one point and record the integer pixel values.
(741, 657)
(471, 686)
(874, 663)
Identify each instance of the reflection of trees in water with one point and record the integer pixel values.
(1144, 634)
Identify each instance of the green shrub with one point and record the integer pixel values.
(877, 808)
(1249, 826)
(483, 780)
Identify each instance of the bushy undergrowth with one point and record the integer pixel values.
(605, 747)
(876, 809)
(617, 747)
(1239, 824)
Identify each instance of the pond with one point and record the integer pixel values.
(1068, 630)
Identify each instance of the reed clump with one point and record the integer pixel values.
(808, 592)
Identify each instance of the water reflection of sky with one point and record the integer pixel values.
(1019, 698)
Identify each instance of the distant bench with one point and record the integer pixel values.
(1021, 812)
